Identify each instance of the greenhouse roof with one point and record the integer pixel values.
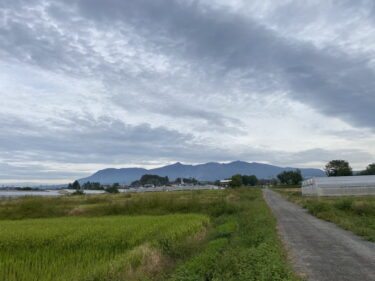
(326, 182)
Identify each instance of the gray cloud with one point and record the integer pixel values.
(334, 82)
(90, 140)
(33, 172)
(190, 63)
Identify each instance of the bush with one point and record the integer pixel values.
(112, 189)
(344, 205)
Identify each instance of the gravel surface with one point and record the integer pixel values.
(319, 250)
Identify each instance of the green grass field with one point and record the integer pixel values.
(354, 213)
(220, 235)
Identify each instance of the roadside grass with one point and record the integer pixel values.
(282, 186)
(243, 246)
(353, 213)
(221, 235)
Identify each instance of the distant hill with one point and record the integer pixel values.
(205, 172)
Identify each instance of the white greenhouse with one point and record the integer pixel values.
(339, 186)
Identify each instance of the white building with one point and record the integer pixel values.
(339, 186)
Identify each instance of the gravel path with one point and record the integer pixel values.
(320, 250)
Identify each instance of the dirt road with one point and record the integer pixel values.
(321, 250)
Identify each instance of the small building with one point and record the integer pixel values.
(225, 183)
(339, 186)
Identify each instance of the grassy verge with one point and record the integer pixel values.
(243, 246)
(200, 235)
(354, 213)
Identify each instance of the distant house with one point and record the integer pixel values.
(339, 186)
(224, 183)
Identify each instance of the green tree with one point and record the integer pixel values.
(92, 185)
(113, 188)
(337, 168)
(76, 185)
(154, 179)
(370, 170)
(136, 183)
(249, 180)
(290, 177)
(236, 181)
(96, 186)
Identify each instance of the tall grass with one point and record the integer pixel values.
(208, 202)
(244, 247)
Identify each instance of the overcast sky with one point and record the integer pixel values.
(91, 84)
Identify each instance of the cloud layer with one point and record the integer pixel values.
(89, 84)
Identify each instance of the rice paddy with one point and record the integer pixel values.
(70, 248)
(216, 235)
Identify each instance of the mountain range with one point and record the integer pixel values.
(204, 172)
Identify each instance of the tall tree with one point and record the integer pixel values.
(290, 177)
(153, 179)
(249, 180)
(76, 185)
(337, 168)
(236, 181)
(370, 170)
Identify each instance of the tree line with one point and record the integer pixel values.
(334, 168)
(156, 180)
(93, 186)
(337, 168)
(286, 177)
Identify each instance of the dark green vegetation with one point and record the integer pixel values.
(28, 188)
(370, 170)
(355, 213)
(113, 188)
(202, 235)
(92, 186)
(74, 185)
(247, 180)
(337, 168)
(287, 186)
(290, 177)
(151, 179)
(159, 181)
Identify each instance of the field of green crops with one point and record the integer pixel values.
(217, 235)
(74, 248)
